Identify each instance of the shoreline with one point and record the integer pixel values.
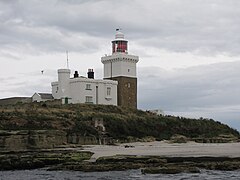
(151, 157)
(163, 157)
(163, 148)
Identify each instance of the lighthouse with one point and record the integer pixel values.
(121, 66)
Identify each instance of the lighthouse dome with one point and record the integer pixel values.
(119, 35)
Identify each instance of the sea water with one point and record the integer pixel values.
(119, 175)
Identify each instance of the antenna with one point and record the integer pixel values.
(67, 60)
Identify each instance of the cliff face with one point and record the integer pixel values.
(22, 140)
(47, 125)
(31, 139)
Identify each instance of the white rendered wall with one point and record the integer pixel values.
(55, 90)
(63, 82)
(36, 98)
(107, 70)
(79, 92)
(103, 98)
(120, 64)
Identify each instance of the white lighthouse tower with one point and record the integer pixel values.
(121, 66)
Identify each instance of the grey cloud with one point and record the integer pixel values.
(28, 26)
(25, 84)
(206, 27)
(27, 87)
(9, 55)
(203, 86)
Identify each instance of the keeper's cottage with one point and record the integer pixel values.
(118, 87)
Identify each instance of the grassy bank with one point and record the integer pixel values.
(120, 123)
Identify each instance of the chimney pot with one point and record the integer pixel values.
(90, 74)
(76, 75)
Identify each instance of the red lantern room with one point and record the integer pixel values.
(119, 44)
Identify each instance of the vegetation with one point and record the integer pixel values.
(120, 123)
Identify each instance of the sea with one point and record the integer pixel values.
(41, 174)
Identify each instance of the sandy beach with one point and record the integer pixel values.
(160, 148)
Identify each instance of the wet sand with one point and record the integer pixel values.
(161, 148)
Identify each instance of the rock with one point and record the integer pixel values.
(178, 139)
(192, 170)
(129, 146)
(156, 161)
(161, 170)
(39, 159)
(227, 166)
(6, 164)
(32, 139)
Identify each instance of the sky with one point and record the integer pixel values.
(189, 50)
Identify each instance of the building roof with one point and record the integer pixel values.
(45, 95)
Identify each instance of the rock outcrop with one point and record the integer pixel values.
(31, 139)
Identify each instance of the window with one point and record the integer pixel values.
(89, 99)
(128, 70)
(88, 87)
(108, 91)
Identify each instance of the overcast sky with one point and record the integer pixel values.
(189, 49)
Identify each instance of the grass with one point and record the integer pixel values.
(120, 122)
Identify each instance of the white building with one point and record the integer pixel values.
(40, 97)
(83, 89)
(119, 86)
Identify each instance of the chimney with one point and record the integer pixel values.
(76, 75)
(90, 74)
